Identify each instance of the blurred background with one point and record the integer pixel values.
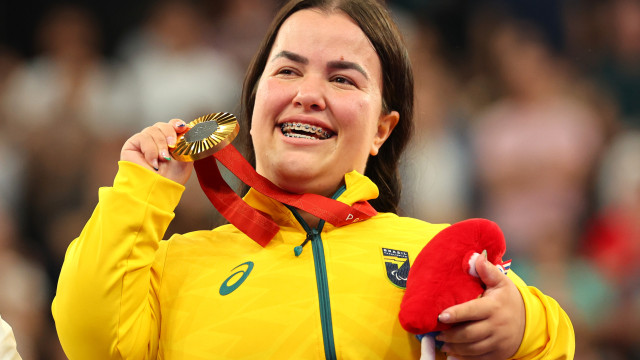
(527, 113)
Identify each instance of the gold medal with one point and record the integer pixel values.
(207, 135)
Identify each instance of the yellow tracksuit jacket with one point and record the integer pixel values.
(125, 294)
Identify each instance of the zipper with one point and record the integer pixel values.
(323, 295)
(298, 249)
(322, 282)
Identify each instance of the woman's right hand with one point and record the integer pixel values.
(150, 149)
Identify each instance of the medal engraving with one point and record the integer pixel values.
(207, 135)
(201, 131)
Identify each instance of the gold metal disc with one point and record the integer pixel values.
(208, 134)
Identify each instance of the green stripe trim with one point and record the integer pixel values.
(323, 295)
(321, 279)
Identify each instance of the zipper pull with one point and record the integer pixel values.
(298, 249)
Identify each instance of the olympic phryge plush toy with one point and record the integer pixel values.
(444, 275)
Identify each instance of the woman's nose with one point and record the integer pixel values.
(310, 94)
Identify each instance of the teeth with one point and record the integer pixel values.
(299, 136)
(316, 132)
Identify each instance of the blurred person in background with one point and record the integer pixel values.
(535, 150)
(435, 168)
(54, 106)
(24, 289)
(536, 146)
(171, 71)
(591, 299)
(612, 240)
(67, 81)
(229, 31)
(66, 86)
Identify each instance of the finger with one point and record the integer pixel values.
(147, 148)
(160, 132)
(155, 144)
(477, 348)
(471, 310)
(179, 126)
(466, 333)
(489, 274)
(171, 128)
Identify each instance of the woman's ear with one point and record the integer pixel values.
(386, 123)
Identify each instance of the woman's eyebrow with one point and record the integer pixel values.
(338, 64)
(291, 56)
(347, 65)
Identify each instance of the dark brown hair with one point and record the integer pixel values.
(397, 85)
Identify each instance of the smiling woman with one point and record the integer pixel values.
(328, 100)
(330, 79)
(378, 38)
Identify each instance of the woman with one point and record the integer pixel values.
(339, 66)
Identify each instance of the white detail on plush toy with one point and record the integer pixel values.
(504, 267)
(428, 348)
(472, 265)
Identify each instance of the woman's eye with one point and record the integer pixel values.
(343, 80)
(286, 71)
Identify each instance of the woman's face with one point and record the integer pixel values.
(318, 108)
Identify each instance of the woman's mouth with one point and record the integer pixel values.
(305, 131)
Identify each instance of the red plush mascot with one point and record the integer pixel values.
(444, 275)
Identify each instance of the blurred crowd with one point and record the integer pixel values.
(527, 113)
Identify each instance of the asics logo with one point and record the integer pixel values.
(226, 288)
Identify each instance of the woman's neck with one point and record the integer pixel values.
(311, 220)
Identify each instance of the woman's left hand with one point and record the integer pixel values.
(490, 327)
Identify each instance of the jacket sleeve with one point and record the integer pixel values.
(548, 331)
(105, 305)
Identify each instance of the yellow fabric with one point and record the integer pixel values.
(125, 294)
(543, 339)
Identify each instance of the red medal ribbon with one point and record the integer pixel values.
(255, 224)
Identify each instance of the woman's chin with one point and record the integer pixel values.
(303, 182)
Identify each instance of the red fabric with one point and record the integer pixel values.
(612, 242)
(250, 221)
(253, 223)
(439, 277)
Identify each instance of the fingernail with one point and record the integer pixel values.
(444, 317)
(181, 125)
(165, 156)
(451, 358)
(484, 252)
(154, 164)
(171, 141)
